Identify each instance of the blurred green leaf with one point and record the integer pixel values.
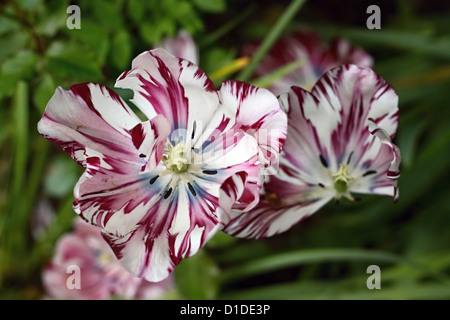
(61, 176)
(216, 58)
(288, 259)
(136, 10)
(8, 25)
(66, 67)
(268, 79)
(341, 290)
(106, 14)
(19, 66)
(43, 92)
(71, 61)
(400, 39)
(21, 119)
(121, 50)
(154, 33)
(29, 4)
(271, 38)
(197, 277)
(53, 21)
(92, 36)
(407, 140)
(211, 5)
(221, 240)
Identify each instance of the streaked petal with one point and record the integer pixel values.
(116, 201)
(170, 86)
(238, 118)
(268, 219)
(149, 138)
(89, 116)
(339, 108)
(173, 228)
(380, 172)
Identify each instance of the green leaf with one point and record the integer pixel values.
(43, 92)
(154, 33)
(106, 14)
(407, 140)
(211, 5)
(8, 25)
(18, 67)
(61, 177)
(78, 68)
(197, 277)
(221, 240)
(268, 79)
(136, 10)
(419, 42)
(52, 22)
(29, 4)
(20, 118)
(288, 259)
(90, 36)
(121, 50)
(12, 43)
(271, 38)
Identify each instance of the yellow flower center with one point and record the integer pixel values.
(341, 179)
(175, 158)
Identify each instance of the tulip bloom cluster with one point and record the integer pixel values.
(200, 161)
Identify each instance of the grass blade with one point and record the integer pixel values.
(271, 38)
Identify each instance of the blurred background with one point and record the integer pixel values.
(325, 256)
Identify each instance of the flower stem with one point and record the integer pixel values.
(271, 38)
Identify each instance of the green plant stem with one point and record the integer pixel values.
(219, 33)
(36, 173)
(271, 38)
(288, 259)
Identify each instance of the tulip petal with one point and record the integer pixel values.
(170, 86)
(89, 115)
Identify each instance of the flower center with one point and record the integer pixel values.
(342, 179)
(175, 158)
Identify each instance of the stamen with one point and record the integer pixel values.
(142, 155)
(168, 192)
(152, 180)
(194, 125)
(349, 157)
(341, 179)
(368, 173)
(191, 189)
(323, 161)
(321, 185)
(175, 158)
(209, 171)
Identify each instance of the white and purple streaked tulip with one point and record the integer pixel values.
(316, 57)
(338, 143)
(101, 275)
(160, 188)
